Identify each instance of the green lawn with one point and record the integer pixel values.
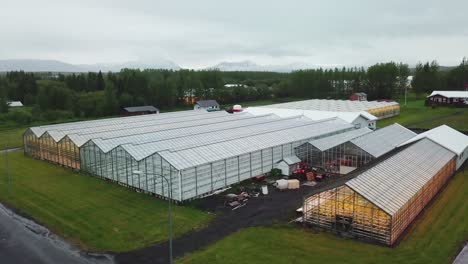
(11, 138)
(94, 214)
(416, 115)
(436, 237)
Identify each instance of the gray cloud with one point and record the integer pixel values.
(201, 33)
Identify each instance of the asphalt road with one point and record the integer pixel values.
(23, 241)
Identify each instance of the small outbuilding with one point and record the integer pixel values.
(455, 98)
(358, 97)
(15, 104)
(208, 105)
(140, 110)
(288, 164)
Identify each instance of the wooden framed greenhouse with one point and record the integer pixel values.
(380, 203)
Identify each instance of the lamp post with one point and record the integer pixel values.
(169, 183)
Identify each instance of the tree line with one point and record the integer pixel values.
(83, 95)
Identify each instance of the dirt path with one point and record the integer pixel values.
(277, 207)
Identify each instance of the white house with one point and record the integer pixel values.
(208, 105)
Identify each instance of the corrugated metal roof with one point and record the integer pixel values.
(335, 140)
(145, 108)
(383, 140)
(333, 105)
(451, 94)
(393, 182)
(207, 103)
(445, 136)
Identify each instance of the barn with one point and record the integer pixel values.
(345, 152)
(379, 204)
(358, 97)
(454, 98)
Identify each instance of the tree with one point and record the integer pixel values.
(403, 73)
(427, 77)
(382, 80)
(111, 103)
(3, 96)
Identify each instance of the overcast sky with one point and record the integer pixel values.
(202, 33)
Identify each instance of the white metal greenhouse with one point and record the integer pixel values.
(380, 109)
(202, 158)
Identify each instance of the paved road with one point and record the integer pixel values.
(277, 207)
(23, 241)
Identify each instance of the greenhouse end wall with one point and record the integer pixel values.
(64, 152)
(343, 210)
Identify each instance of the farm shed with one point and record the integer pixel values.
(379, 109)
(345, 152)
(381, 202)
(61, 143)
(359, 119)
(448, 138)
(288, 164)
(198, 162)
(208, 105)
(140, 110)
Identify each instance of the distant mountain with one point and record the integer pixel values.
(37, 66)
(252, 66)
(31, 65)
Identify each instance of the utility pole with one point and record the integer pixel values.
(7, 167)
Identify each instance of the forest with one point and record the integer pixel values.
(57, 96)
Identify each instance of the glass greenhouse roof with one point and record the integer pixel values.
(329, 142)
(333, 105)
(383, 140)
(393, 182)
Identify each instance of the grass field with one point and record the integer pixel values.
(436, 237)
(416, 115)
(91, 213)
(11, 137)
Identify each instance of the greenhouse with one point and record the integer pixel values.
(380, 109)
(381, 202)
(343, 153)
(200, 160)
(61, 143)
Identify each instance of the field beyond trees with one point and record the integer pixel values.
(94, 214)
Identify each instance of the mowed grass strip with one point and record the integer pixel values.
(92, 213)
(436, 237)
